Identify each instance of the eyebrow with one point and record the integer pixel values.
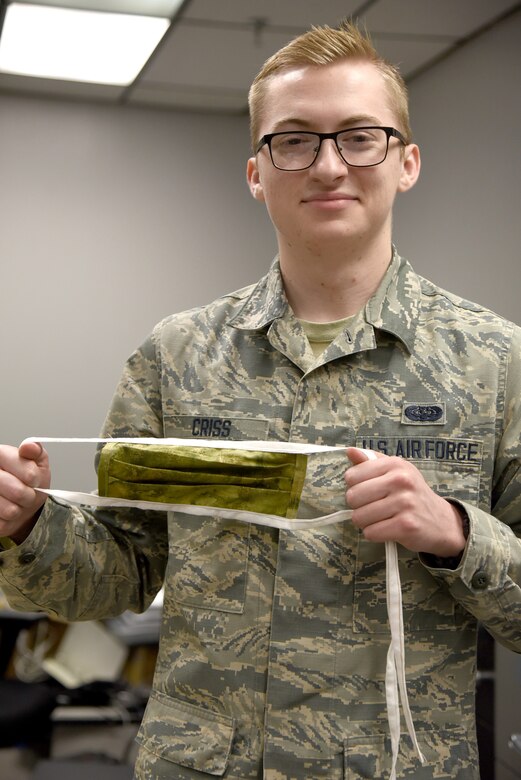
(358, 119)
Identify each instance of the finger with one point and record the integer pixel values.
(367, 492)
(27, 470)
(34, 455)
(358, 455)
(384, 531)
(32, 450)
(376, 512)
(14, 493)
(366, 464)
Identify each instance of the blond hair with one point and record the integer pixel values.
(324, 46)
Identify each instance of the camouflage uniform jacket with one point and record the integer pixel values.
(272, 654)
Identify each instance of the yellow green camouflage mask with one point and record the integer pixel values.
(263, 482)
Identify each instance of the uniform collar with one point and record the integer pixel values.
(266, 303)
(394, 308)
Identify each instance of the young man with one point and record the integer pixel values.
(272, 658)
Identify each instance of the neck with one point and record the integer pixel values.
(323, 288)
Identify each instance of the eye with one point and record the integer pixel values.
(292, 141)
(359, 137)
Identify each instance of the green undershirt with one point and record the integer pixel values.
(321, 334)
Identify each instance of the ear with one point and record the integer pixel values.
(253, 178)
(411, 165)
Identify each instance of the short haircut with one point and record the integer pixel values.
(323, 46)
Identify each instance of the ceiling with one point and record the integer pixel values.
(214, 48)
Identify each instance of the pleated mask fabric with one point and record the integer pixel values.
(262, 482)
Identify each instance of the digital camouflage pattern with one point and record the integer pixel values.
(272, 654)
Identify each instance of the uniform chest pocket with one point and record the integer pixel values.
(208, 562)
(427, 605)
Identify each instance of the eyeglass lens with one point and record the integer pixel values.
(358, 147)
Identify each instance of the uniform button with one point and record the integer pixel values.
(480, 580)
(27, 557)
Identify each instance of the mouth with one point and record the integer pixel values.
(329, 199)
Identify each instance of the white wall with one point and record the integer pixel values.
(111, 218)
(461, 224)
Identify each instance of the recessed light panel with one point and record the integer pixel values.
(75, 45)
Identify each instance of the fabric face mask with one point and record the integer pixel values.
(268, 483)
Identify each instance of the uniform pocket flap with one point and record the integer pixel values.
(186, 735)
(449, 752)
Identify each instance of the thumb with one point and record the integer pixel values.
(358, 455)
(32, 450)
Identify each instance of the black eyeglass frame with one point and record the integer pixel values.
(390, 132)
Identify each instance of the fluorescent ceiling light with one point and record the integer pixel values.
(163, 8)
(74, 45)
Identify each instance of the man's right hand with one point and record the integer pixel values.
(22, 469)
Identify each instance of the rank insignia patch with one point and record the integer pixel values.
(423, 413)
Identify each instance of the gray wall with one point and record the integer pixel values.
(111, 218)
(461, 224)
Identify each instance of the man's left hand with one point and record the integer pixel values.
(391, 501)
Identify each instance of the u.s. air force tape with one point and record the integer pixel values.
(134, 471)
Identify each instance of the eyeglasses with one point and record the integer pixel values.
(359, 147)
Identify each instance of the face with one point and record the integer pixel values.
(330, 205)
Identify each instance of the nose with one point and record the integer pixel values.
(329, 162)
